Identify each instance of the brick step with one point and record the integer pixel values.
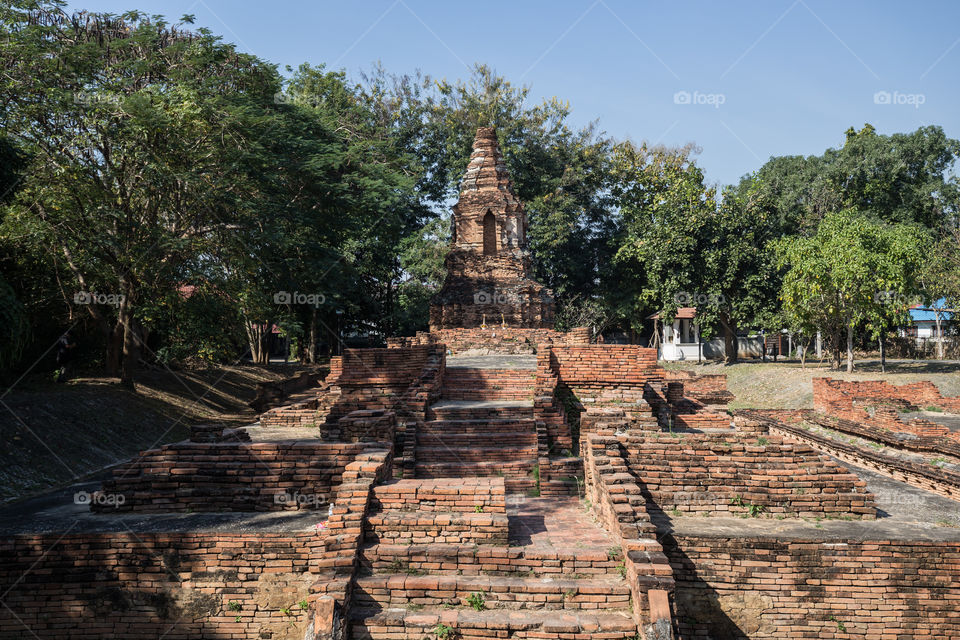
(443, 494)
(525, 439)
(390, 624)
(416, 527)
(478, 426)
(499, 592)
(470, 559)
(480, 412)
(494, 454)
(474, 378)
(468, 393)
(519, 485)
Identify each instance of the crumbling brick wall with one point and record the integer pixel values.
(151, 585)
(836, 397)
(877, 404)
(229, 476)
(697, 401)
(727, 472)
(791, 588)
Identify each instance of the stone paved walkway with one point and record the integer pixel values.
(558, 523)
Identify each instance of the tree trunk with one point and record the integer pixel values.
(837, 346)
(939, 335)
(883, 355)
(729, 340)
(803, 355)
(850, 347)
(258, 338)
(114, 352)
(312, 340)
(131, 341)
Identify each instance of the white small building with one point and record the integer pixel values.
(680, 340)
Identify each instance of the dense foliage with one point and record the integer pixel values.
(170, 199)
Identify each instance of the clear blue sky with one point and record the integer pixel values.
(791, 76)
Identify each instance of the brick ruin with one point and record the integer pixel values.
(488, 266)
(538, 488)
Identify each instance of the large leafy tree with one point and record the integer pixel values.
(855, 271)
(686, 249)
(902, 177)
(941, 281)
(666, 208)
(135, 129)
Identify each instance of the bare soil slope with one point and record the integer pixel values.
(56, 433)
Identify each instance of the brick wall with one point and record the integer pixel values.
(338, 557)
(784, 589)
(488, 384)
(922, 475)
(832, 396)
(726, 472)
(593, 369)
(372, 425)
(697, 401)
(148, 585)
(443, 494)
(262, 476)
(495, 338)
(697, 384)
(619, 504)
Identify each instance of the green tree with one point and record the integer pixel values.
(666, 208)
(135, 129)
(941, 281)
(902, 177)
(855, 271)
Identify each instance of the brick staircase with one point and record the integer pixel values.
(557, 577)
(483, 426)
(472, 383)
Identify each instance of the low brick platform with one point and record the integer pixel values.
(499, 592)
(726, 472)
(229, 476)
(469, 495)
(917, 474)
(470, 625)
(470, 559)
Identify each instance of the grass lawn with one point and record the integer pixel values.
(785, 385)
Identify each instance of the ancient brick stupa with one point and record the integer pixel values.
(488, 267)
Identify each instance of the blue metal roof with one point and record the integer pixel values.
(925, 314)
